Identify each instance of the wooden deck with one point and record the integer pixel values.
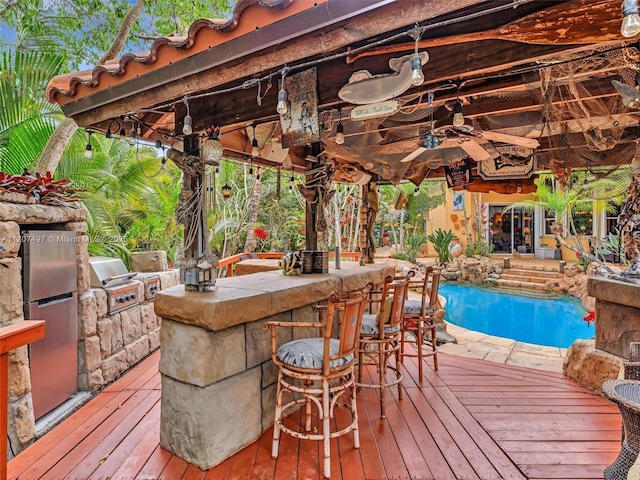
(470, 420)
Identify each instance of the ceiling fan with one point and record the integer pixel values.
(469, 139)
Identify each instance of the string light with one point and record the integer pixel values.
(340, 130)
(417, 76)
(416, 192)
(188, 121)
(123, 135)
(458, 116)
(630, 19)
(282, 106)
(255, 151)
(88, 153)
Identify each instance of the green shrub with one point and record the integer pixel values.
(483, 249)
(412, 245)
(400, 256)
(441, 241)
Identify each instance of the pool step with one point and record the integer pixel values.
(517, 284)
(531, 278)
(523, 278)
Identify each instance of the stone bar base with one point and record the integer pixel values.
(218, 380)
(617, 314)
(589, 366)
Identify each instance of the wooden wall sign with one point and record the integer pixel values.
(513, 162)
(300, 124)
(458, 173)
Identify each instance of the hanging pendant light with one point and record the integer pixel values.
(226, 191)
(630, 19)
(188, 121)
(212, 148)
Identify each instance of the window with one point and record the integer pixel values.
(583, 221)
(611, 219)
(549, 219)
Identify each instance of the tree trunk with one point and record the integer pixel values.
(52, 153)
(251, 242)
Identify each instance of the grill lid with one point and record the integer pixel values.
(108, 272)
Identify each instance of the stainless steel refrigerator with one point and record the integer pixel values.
(49, 287)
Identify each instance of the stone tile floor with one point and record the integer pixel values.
(503, 350)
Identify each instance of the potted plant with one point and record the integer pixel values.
(441, 241)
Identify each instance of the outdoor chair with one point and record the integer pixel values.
(632, 367)
(418, 320)
(319, 370)
(380, 336)
(625, 394)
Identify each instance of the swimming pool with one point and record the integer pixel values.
(554, 321)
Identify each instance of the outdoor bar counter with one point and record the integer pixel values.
(218, 380)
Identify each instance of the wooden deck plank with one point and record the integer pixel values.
(175, 468)
(369, 451)
(139, 455)
(121, 453)
(392, 459)
(455, 458)
(471, 419)
(155, 464)
(92, 450)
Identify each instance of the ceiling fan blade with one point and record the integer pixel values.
(511, 139)
(475, 150)
(413, 154)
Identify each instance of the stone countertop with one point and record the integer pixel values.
(247, 298)
(614, 291)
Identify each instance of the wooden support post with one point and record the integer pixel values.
(12, 337)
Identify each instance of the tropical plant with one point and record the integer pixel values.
(27, 120)
(412, 244)
(480, 248)
(441, 241)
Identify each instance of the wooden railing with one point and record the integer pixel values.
(229, 262)
(12, 337)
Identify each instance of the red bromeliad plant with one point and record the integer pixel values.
(260, 233)
(42, 187)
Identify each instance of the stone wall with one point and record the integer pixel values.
(107, 344)
(110, 344)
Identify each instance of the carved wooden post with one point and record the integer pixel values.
(12, 337)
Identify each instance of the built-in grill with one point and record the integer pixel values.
(151, 284)
(112, 275)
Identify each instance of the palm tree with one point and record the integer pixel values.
(27, 120)
(116, 181)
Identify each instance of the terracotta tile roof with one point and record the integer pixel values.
(247, 16)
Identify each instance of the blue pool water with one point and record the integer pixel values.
(554, 321)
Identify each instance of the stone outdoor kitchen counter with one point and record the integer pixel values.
(218, 380)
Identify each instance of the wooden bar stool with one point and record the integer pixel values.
(380, 335)
(419, 319)
(318, 371)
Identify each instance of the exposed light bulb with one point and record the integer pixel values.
(340, 134)
(519, 187)
(88, 153)
(254, 148)
(630, 19)
(158, 144)
(416, 192)
(188, 122)
(282, 102)
(123, 135)
(250, 172)
(108, 134)
(417, 77)
(458, 117)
